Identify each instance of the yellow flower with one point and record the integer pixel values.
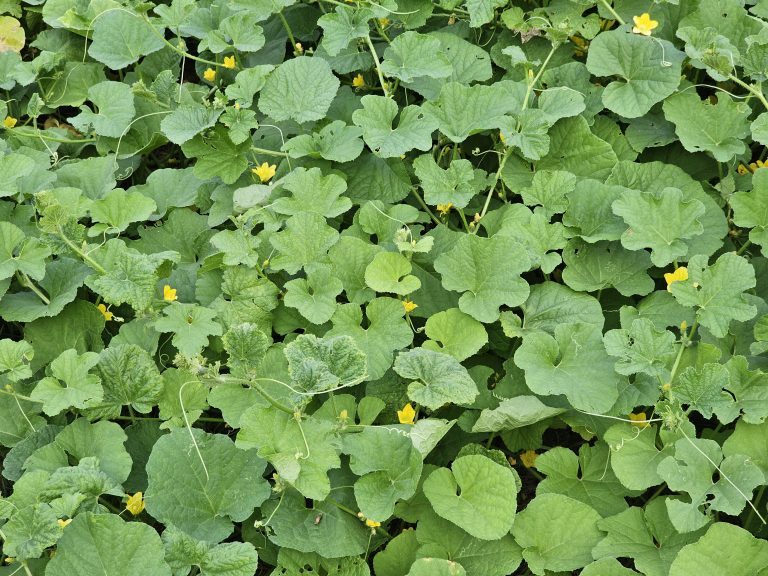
(265, 172)
(229, 62)
(299, 48)
(503, 140)
(372, 523)
(444, 208)
(135, 504)
(210, 74)
(742, 169)
(358, 81)
(10, 559)
(106, 313)
(528, 458)
(409, 306)
(343, 415)
(643, 24)
(9, 122)
(63, 523)
(677, 276)
(384, 22)
(407, 414)
(640, 419)
(169, 294)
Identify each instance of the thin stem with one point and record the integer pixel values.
(463, 219)
(744, 247)
(683, 346)
(287, 29)
(536, 78)
(41, 135)
(377, 62)
(16, 395)
(751, 89)
(425, 207)
(496, 178)
(269, 152)
(25, 280)
(613, 12)
(90, 261)
(280, 406)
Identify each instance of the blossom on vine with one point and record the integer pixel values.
(677, 276)
(210, 74)
(444, 208)
(640, 419)
(407, 414)
(409, 306)
(528, 458)
(265, 172)
(643, 24)
(169, 294)
(229, 62)
(135, 504)
(372, 523)
(106, 313)
(358, 81)
(63, 523)
(10, 121)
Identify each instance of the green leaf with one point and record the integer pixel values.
(191, 326)
(15, 358)
(120, 38)
(70, 384)
(584, 477)
(589, 211)
(201, 483)
(659, 221)
(717, 291)
(114, 101)
(649, 68)
(641, 348)
(701, 126)
(302, 451)
(551, 304)
(305, 239)
(217, 155)
(455, 333)
(336, 142)
(438, 378)
(300, 89)
(314, 193)
(118, 209)
(129, 376)
(390, 272)
(386, 331)
(463, 110)
(88, 546)
(750, 209)
(575, 149)
(414, 128)
(487, 271)
(635, 457)
(19, 253)
(487, 502)
(230, 559)
(317, 365)
(343, 26)
(456, 185)
(646, 536)
(482, 11)
(389, 466)
(188, 120)
(592, 267)
(412, 55)
(29, 531)
(436, 567)
(716, 551)
(557, 533)
(691, 470)
(315, 297)
(574, 363)
(513, 413)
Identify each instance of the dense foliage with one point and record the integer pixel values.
(397, 287)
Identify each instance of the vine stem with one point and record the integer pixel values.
(751, 89)
(425, 207)
(744, 247)
(174, 47)
(377, 62)
(613, 12)
(287, 29)
(40, 134)
(25, 280)
(90, 261)
(269, 152)
(279, 405)
(676, 365)
(18, 396)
